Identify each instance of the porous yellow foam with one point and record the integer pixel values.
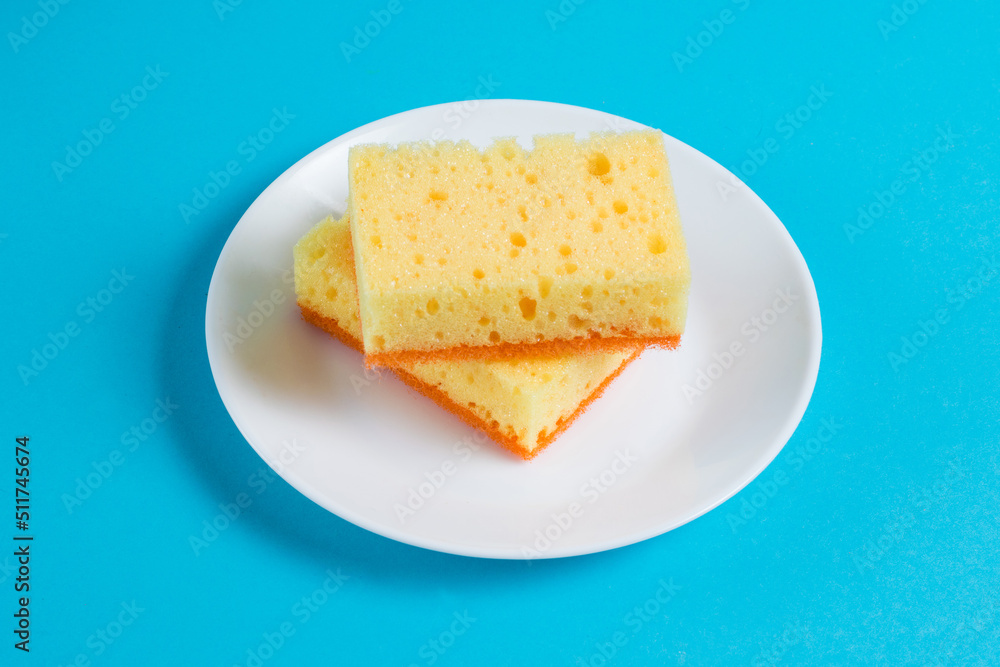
(573, 240)
(523, 403)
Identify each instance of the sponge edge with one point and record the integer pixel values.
(523, 403)
(438, 392)
(461, 253)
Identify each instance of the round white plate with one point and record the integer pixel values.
(675, 435)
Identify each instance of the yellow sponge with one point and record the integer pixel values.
(462, 253)
(522, 403)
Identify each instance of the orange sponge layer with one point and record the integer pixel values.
(330, 326)
(472, 419)
(514, 350)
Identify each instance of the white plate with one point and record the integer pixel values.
(649, 456)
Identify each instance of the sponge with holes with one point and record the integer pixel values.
(462, 253)
(522, 403)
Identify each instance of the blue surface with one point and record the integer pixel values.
(881, 545)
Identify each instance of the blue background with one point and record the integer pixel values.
(881, 548)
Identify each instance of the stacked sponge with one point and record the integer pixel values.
(510, 286)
